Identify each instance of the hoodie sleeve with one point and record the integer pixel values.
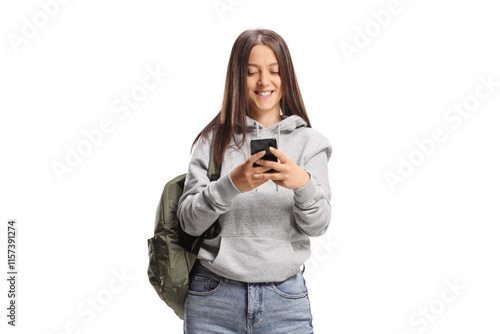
(312, 207)
(202, 200)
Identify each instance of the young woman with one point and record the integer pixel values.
(247, 279)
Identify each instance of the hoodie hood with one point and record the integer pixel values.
(286, 125)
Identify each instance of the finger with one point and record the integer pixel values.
(267, 176)
(251, 159)
(271, 164)
(261, 169)
(280, 155)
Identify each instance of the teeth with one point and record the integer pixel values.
(264, 93)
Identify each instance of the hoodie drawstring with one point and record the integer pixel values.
(278, 143)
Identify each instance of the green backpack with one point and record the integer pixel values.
(172, 252)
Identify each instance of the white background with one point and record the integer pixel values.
(388, 253)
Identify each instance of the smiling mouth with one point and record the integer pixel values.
(264, 93)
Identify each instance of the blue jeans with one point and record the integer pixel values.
(217, 305)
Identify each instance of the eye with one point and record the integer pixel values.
(251, 73)
(275, 72)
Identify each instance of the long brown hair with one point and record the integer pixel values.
(235, 102)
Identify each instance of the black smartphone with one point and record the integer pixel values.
(257, 145)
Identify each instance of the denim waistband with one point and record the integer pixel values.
(198, 268)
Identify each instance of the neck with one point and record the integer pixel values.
(266, 119)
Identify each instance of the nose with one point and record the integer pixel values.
(264, 79)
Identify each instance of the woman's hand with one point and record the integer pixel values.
(242, 175)
(287, 174)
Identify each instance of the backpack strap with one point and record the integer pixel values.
(213, 169)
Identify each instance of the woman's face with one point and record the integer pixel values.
(263, 81)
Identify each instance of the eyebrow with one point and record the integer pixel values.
(267, 65)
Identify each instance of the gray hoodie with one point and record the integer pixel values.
(265, 232)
